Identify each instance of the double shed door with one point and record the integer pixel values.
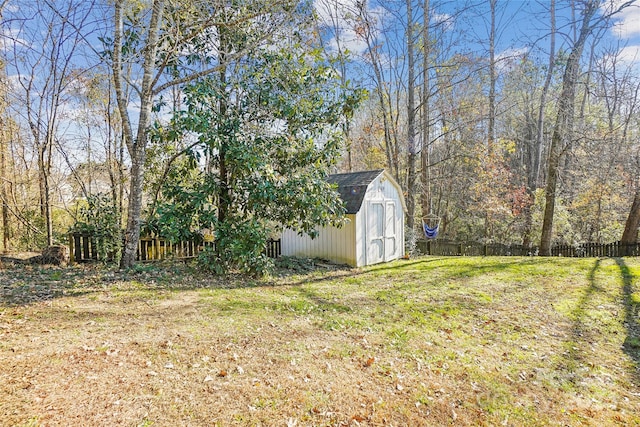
(382, 242)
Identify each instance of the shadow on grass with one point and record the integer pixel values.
(631, 344)
(580, 328)
(27, 285)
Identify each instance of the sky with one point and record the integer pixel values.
(522, 25)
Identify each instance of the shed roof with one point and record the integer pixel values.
(353, 186)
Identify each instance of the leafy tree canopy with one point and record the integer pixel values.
(268, 132)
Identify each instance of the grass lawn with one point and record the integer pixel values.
(421, 342)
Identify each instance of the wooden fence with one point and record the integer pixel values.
(84, 247)
(586, 250)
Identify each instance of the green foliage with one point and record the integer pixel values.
(101, 219)
(273, 122)
(240, 244)
(185, 208)
(34, 236)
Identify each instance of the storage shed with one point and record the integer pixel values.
(374, 231)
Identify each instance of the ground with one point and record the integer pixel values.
(419, 342)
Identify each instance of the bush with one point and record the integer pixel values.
(239, 245)
(100, 218)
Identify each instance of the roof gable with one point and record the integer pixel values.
(352, 187)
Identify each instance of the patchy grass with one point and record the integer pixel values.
(423, 342)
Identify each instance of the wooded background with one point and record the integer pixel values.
(512, 125)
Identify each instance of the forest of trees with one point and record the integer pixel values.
(508, 124)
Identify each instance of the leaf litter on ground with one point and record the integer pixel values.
(429, 341)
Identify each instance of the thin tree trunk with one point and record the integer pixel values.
(534, 167)
(425, 168)
(411, 122)
(563, 129)
(137, 146)
(4, 151)
(492, 79)
(4, 142)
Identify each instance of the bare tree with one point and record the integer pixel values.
(425, 159)
(4, 142)
(411, 119)
(46, 60)
(563, 129)
(375, 56)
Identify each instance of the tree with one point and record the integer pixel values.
(367, 24)
(411, 120)
(562, 133)
(4, 142)
(46, 60)
(170, 43)
(534, 148)
(270, 123)
(425, 158)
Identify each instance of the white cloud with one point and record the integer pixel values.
(10, 40)
(443, 20)
(627, 22)
(508, 58)
(630, 54)
(342, 16)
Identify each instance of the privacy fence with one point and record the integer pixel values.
(85, 247)
(586, 250)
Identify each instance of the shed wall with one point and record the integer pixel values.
(334, 244)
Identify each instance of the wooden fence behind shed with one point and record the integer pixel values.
(586, 250)
(84, 247)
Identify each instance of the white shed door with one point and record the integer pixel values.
(375, 232)
(382, 241)
(390, 243)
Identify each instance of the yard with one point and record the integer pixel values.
(421, 342)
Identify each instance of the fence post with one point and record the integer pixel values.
(71, 249)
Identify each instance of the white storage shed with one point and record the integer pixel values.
(374, 231)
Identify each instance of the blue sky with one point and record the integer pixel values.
(522, 25)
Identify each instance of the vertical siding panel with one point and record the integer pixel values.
(334, 244)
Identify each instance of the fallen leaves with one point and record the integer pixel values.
(231, 357)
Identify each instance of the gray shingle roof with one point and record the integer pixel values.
(353, 186)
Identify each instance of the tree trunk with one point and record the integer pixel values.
(411, 123)
(4, 196)
(137, 147)
(43, 182)
(134, 213)
(564, 125)
(425, 168)
(630, 234)
(492, 80)
(533, 175)
(224, 195)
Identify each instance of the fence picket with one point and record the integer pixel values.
(84, 248)
(591, 250)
